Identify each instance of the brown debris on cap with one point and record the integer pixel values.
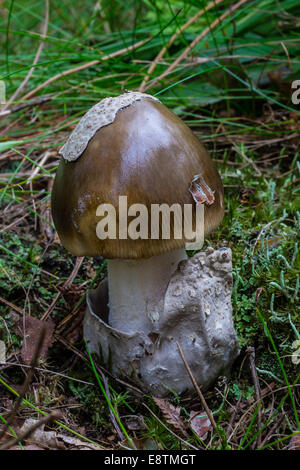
(147, 154)
(201, 192)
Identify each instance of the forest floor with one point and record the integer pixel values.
(242, 112)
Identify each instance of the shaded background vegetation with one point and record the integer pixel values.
(228, 74)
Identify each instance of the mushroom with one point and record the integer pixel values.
(132, 146)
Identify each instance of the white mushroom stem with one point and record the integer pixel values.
(135, 286)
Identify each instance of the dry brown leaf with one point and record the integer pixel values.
(200, 424)
(75, 443)
(171, 415)
(52, 440)
(31, 330)
(39, 437)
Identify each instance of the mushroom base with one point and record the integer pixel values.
(196, 312)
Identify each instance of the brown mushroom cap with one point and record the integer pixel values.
(147, 154)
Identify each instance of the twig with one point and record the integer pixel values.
(112, 416)
(173, 38)
(26, 384)
(6, 365)
(45, 420)
(15, 222)
(39, 165)
(30, 104)
(270, 433)
(13, 306)
(202, 399)
(263, 231)
(67, 284)
(204, 33)
(288, 56)
(85, 66)
(244, 156)
(84, 358)
(251, 352)
(233, 416)
(36, 59)
(68, 318)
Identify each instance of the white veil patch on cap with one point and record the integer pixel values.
(102, 114)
